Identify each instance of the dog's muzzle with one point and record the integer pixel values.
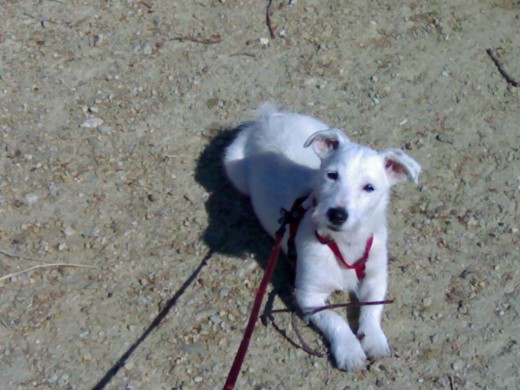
(337, 215)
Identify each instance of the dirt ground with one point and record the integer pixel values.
(112, 134)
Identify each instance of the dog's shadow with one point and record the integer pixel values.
(232, 228)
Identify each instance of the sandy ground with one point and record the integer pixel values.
(111, 142)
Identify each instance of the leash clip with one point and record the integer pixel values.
(283, 221)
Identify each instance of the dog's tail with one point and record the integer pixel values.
(235, 163)
(237, 154)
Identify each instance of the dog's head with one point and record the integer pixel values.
(355, 181)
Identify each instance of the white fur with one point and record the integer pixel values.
(271, 161)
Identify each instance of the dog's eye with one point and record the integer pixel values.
(332, 175)
(369, 188)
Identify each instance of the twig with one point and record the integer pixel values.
(243, 54)
(12, 255)
(350, 304)
(336, 306)
(214, 39)
(303, 343)
(450, 378)
(268, 318)
(148, 7)
(501, 69)
(268, 19)
(44, 266)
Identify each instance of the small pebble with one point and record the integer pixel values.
(98, 39)
(264, 41)
(92, 122)
(147, 49)
(457, 365)
(194, 348)
(31, 199)
(104, 129)
(68, 231)
(53, 189)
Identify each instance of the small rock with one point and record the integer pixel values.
(53, 189)
(215, 319)
(98, 39)
(104, 129)
(445, 138)
(68, 231)
(263, 41)
(147, 49)
(31, 199)
(194, 348)
(92, 122)
(457, 365)
(212, 102)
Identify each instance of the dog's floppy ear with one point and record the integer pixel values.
(400, 167)
(324, 142)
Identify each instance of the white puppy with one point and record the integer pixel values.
(349, 186)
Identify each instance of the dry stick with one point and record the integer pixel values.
(268, 19)
(315, 310)
(12, 255)
(214, 39)
(335, 306)
(354, 304)
(303, 343)
(242, 54)
(501, 69)
(44, 266)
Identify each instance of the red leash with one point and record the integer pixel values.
(242, 349)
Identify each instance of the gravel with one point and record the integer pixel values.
(112, 138)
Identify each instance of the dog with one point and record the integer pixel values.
(281, 156)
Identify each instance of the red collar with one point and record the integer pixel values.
(358, 266)
(294, 217)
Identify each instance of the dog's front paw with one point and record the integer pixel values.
(374, 342)
(348, 354)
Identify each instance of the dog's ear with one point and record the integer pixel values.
(400, 167)
(324, 142)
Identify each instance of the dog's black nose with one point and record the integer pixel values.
(337, 215)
